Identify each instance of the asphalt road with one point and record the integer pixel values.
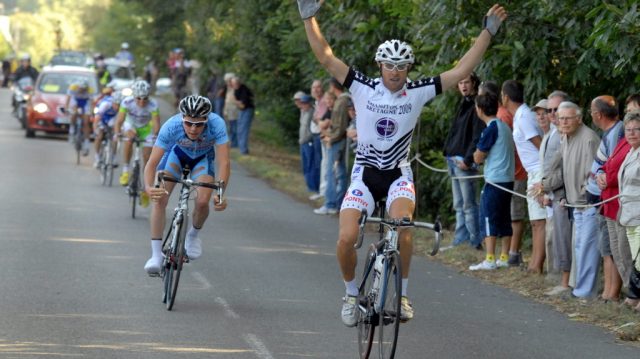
(266, 287)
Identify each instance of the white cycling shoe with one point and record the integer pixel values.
(152, 267)
(193, 246)
(349, 313)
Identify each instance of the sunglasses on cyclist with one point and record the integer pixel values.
(390, 67)
(197, 124)
(142, 98)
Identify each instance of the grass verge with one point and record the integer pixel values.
(281, 169)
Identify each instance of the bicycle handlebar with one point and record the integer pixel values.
(404, 222)
(219, 186)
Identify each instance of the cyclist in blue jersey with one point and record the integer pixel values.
(105, 115)
(194, 137)
(388, 108)
(78, 104)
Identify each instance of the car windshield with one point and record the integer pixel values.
(120, 72)
(69, 58)
(59, 83)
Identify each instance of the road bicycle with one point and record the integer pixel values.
(134, 187)
(173, 244)
(78, 135)
(106, 157)
(380, 290)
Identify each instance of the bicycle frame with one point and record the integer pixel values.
(384, 264)
(133, 189)
(174, 250)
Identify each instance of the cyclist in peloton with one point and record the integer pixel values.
(105, 114)
(388, 108)
(138, 116)
(78, 103)
(194, 137)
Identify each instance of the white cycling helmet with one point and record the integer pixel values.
(82, 84)
(195, 106)
(396, 52)
(116, 97)
(140, 88)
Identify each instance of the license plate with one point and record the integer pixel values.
(62, 120)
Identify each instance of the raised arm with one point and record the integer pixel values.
(495, 16)
(319, 44)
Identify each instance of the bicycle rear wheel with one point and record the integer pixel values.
(176, 260)
(367, 320)
(389, 317)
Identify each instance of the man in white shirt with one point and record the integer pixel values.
(528, 137)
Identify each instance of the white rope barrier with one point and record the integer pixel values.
(434, 169)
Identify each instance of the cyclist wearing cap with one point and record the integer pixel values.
(194, 137)
(138, 116)
(105, 116)
(388, 108)
(79, 103)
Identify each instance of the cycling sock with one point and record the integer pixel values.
(352, 287)
(156, 247)
(491, 258)
(504, 257)
(405, 283)
(125, 168)
(193, 232)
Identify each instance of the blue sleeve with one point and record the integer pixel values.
(165, 135)
(488, 138)
(219, 129)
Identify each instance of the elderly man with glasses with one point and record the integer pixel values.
(579, 146)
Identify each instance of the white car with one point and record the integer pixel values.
(122, 75)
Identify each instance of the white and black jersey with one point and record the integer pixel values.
(386, 120)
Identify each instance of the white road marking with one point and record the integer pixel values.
(258, 346)
(200, 278)
(227, 308)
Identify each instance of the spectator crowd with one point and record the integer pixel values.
(576, 184)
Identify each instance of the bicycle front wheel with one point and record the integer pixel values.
(389, 316)
(367, 319)
(102, 163)
(134, 186)
(78, 143)
(109, 161)
(177, 259)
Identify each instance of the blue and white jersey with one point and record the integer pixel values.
(172, 134)
(106, 111)
(386, 120)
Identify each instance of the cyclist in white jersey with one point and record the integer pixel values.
(387, 108)
(138, 116)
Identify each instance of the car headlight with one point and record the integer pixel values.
(41, 107)
(127, 92)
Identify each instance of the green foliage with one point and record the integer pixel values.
(586, 48)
